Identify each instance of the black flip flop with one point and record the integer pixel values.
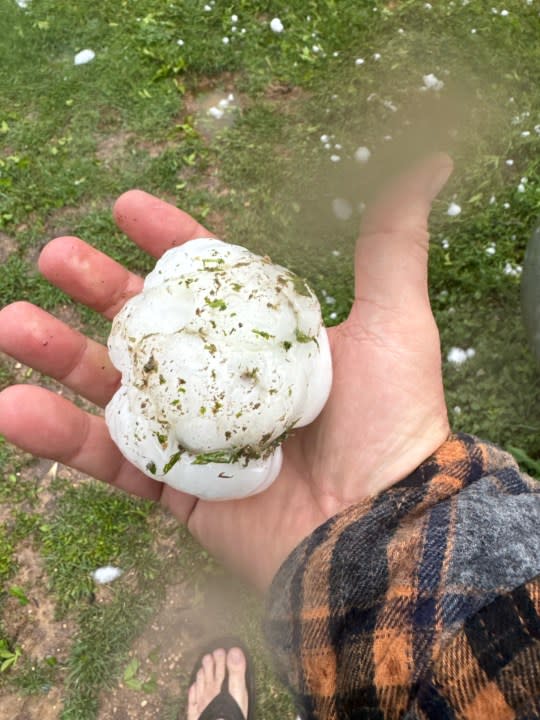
(224, 705)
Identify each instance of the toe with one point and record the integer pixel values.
(220, 657)
(236, 666)
(200, 685)
(208, 669)
(192, 709)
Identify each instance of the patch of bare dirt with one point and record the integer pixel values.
(112, 147)
(34, 707)
(33, 626)
(284, 92)
(7, 246)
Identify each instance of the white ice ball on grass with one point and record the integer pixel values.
(276, 25)
(84, 56)
(222, 354)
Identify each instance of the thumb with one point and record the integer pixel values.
(392, 250)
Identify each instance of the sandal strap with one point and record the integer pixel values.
(223, 706)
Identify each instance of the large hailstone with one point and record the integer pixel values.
(221, 355)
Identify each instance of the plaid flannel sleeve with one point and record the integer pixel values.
(422, 602)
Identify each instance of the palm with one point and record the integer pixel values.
(385, 414)
(371, 433)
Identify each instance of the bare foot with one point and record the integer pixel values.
(210, 677)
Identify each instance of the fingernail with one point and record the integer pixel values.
(439, 178)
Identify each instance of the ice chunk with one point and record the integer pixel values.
(84, 56)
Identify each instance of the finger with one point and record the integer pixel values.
(88, 275)
(391, 253)
(47, 425)
(35, 338)
(154, 225)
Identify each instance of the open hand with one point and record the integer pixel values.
(386, 413)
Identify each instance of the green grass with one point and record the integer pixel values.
(72, 138)
(92, 527)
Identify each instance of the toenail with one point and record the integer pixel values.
(235, 656)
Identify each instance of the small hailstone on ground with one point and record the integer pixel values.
(216, 112)
(330, 300)
(362, 154)
(225, 40)
(333, 315)
(23, 3)
(537, 129)
(492, 200)
(234, 18)
(506, 205)
(338, 146)
(491, 249)
(512, 270)
(316, 48)
(457, 410)
(376, 56)
(525, 133)
(207, 8)
(473, 31)
(359, 61)
(504, 13)
(106, 574)
(432, 82)
(84, 56)
(327, 146)
(428, 6)
(335, 158)
(336, 253)
(342, 208)
(453, 209)
(445, 243)
(521, 187)
(458, 356)
(180, 42)
(389, 105)
(324, 138)
(276, 25)
(509, 162)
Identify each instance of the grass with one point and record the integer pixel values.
(72, 138)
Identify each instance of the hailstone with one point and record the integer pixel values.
(222, 354)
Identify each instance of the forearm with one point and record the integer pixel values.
(363, 609)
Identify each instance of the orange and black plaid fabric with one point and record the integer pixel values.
(422, 602)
